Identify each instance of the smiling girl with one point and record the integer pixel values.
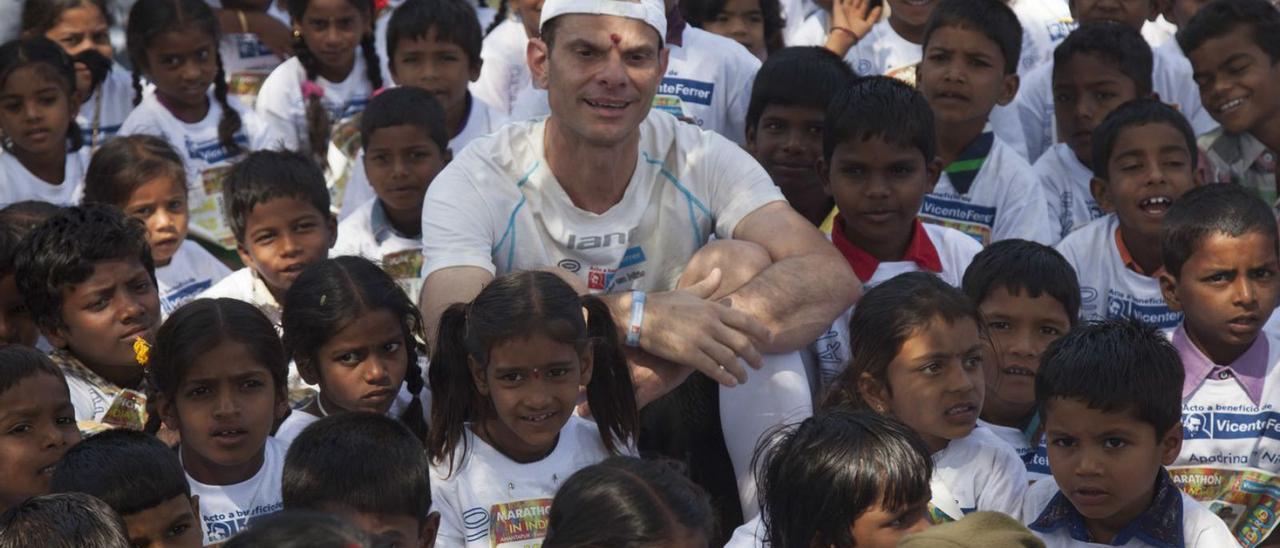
(37, 117)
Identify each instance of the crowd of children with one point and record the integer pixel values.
(215, 232)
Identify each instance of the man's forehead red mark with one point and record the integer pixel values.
(616, 39)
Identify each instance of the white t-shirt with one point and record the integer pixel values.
(794, 13)
(1003, 201)
(832, 351)
(281, 105)
(228, 509)
(1109, 289)
(1065, 182)
(490, 500)
(1170, 78)
(708, 81)
(812, 31)
(1200, 527)
(1223, 428)
(245, 285)
(190, 272)
(247, 61)
(497, 206)
(206, 161)
(1045, 24)
(484, 15)
(110, 104)
(884, 51)
(368, 233)
(482, 120)
(977, 473)
(1034, 458)
(19, 185)
(505, 71)
(297, 421)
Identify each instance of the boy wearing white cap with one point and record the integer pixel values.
(624, 200)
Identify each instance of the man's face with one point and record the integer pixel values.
(601, 73)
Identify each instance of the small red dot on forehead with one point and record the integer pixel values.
(615, 38)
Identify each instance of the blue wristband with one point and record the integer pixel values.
(637, 318)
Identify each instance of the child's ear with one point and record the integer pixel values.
(168, 414)
(307, 370)
(875, 393)
(933, 170)
(447, 155)
(474, 74)
(1171, 444)
(57, 337)
(245, 258)
(1098, 188)
(282, 406)
(1169, 288)
(478, 377)
(536, 55)
(331, 222)
(1009, 89)
(823, 175)
(195, 506)
(586, 366)
(430, 526)
(750, 146)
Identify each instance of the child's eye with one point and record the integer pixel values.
(203, 55)
(252, 383)
(99, 304)
(1262, 273)
(348, 358)
(1104, 95)
(1063, 442)
(198, 392)
(973, 362)
(1050, 330)
(392, 347)
(931, 368)
(64, 421)
(1114, 443)
(20, 429)
(998, 326)
(557, 372)
(511, 377)
(176, 206)
(177, 530)
(1063, 98)
(1237, 68)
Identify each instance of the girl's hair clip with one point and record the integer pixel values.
(312, 90)
(378, 91)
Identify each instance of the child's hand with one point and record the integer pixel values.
(850, 23)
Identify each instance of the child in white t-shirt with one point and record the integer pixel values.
(893, 46)
(1029, 297)
(1220, 252)
(143, 176)
(1109, 395)
(506, 374)
(708, 81)
(405, 146)
(1144, 160)
(246, 55)
(879, 167)
(190, 107)
(986, 189)
(219, 371)
(42, 157)
(917, 356)
(35, 388)
(1099, 67)
(756, 24)
(504, 72)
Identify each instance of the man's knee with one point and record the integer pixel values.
(739, 262)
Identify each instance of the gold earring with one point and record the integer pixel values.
(297, 34)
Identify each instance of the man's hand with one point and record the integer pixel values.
(683, 327)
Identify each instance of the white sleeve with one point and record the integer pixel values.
(1034, 114)
(139, 122)
(457, 229)
(274, 104)
(1023, 213)
(1059, 218)
(495, 75)
(1006, 482)
(450, 534)
(736, 184)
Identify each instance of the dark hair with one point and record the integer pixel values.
(26, 215)
(149, 19)
(1021, 265)
(991, 18)
(318, 123)
(700, 12)
(803, 76)
(515, 306)
(1115, 366)
(453, 20)
(883, 107)
(18, 363)
(1113, 42)
(202, 325)
(332, 293)
(625, 502)
(1223, 17)
(40, 16)
(57, 66)
(301, 529)
(127, 469)
(63, 520)
(10, 239)
(886, 316)
(1138, 112)
(125, 163)
(817, 477)
(1212, 209)
(406, 106)
(265, 175)
(64, 250)
(367, 462)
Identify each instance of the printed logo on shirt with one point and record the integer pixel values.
(1058, 30)
(691, 91)
(864, 66)
(220, 527)
(519, 524)
(211, 151)
(596, 241)
(207, 216)
(971, 219)
(1229, 426)
(599, 278)
(1153, 312)
(670, 105)
(182, 293)
(249, 46)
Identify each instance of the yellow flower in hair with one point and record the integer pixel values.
(141, 351)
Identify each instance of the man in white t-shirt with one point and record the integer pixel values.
(622, 197)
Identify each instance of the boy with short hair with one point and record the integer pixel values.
(16, 325)
(1170, 76)
(1110, 397)
(1029, 297)
(366, 468)
(433, 45)
(878, 162)
(405, 145)
(971, 52)
(785, 119)
(1101, 66)
(87, 278)
(1144, 159)
(62, 520)
(1234, 48)
(141, 479)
